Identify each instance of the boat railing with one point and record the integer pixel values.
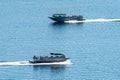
(37, 58)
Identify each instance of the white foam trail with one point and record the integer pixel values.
(20, 63)
(94, 20)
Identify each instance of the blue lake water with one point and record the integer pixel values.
(94, 47)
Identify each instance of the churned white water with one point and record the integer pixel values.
(17, 63)
(94, 20)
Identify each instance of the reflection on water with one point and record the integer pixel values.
(49, 72)
(51, 67)
(65, 24)
(58, 24)
(62, 27)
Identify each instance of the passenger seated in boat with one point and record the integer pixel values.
(35, 58)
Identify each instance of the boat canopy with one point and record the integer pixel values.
(56, 54)
(59, 15)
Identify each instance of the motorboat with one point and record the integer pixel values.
(54, 57)
(64, 17)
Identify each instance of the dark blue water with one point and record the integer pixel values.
(94, 47)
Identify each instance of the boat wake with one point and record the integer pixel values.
(23, 63)
(94, 20)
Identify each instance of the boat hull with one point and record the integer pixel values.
(49, 61)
